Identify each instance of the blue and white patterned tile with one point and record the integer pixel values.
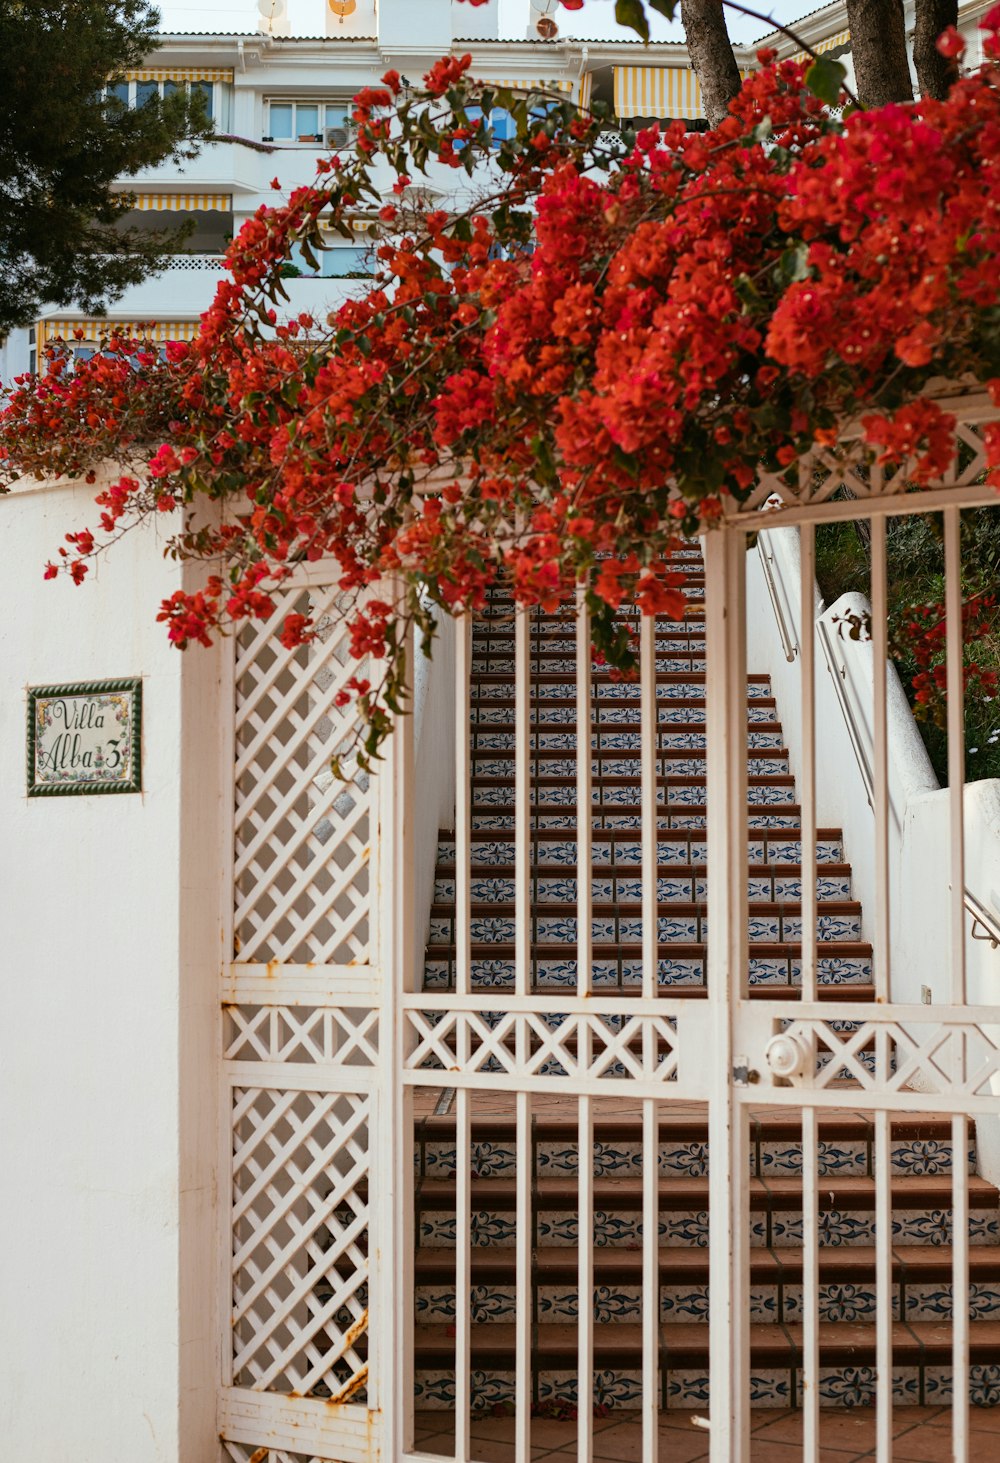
(934, 1302)
(684, 1303)
(770, 1388)
(434, 1390)
(770, 797)
(773, 820)
(762, 928)
(841, 1158)
(682, 1160)
(926, 1156)
(686, 1388)
(838, 970)
(933, 1227)
(686, 972)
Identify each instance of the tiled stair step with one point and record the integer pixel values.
(682, 1346)
(487, 736)
(920, 1144)
(552, 883)
(610, 715)
(563, 662)
(604, 683)
(837, 919)
(617, 846)
(921, 1211)
(621, 791)
(561, 640)
(761, 816)
(619, 762)
(774, 970)
(922, 1287)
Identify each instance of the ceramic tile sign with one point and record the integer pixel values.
(85, 738)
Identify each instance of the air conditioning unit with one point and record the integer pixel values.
(337, 137)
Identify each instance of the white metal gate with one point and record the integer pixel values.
(330, 1042)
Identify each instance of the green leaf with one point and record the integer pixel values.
(825, 79)
(633, 14)
(666, 8)
(793, 264)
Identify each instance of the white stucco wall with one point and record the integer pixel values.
(108, 1268)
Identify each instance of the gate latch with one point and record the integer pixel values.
(743, 1074)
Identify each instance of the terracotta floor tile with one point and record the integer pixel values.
(930, 1443)
(849, 1431)
(983, 1420)
(765, 1450)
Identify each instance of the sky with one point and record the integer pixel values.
(595, 21)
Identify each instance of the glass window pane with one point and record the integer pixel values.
(120, 91)
(345, 259)
(306, 121)
(281, 119)
(169, 87)
(337, 114)
(145, 91)
(203, 89)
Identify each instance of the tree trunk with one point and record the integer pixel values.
(711, 53)
(935, 73)
(878, 45)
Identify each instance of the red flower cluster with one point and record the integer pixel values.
(554, 384)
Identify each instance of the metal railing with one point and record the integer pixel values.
(767, 565)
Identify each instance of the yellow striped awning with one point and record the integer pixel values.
(183, 202)
(842, 38)
(181, 73)
(586, 90)
(659, 91)
(93, 330)
(526, 83)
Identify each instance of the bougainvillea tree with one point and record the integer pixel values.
(549, 385)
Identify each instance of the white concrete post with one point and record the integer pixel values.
(108, 1086)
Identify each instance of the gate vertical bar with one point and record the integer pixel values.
(808, 959)
(649, 754)
(726, 714)
(392, 1338)
(522, 987)
(955, 662)
(584, 987)
(463, 967)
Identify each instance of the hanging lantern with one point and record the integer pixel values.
(341, 8)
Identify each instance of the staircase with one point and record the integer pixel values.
(921, 1146)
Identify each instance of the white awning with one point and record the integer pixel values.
(94, 330)
(183, 202)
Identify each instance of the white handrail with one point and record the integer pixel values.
(768, 567)
(983, 917)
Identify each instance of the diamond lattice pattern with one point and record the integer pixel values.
(302, 836)
(300, 1241)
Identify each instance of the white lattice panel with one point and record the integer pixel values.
(526, 1044)
(957, 1060)
(823, 472)
(302, 837)
(300, 1169)
(244, 1453)
(295, 1034)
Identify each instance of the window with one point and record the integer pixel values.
(308, 122)
(499, 120)
(342, 259)
(138, 93)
